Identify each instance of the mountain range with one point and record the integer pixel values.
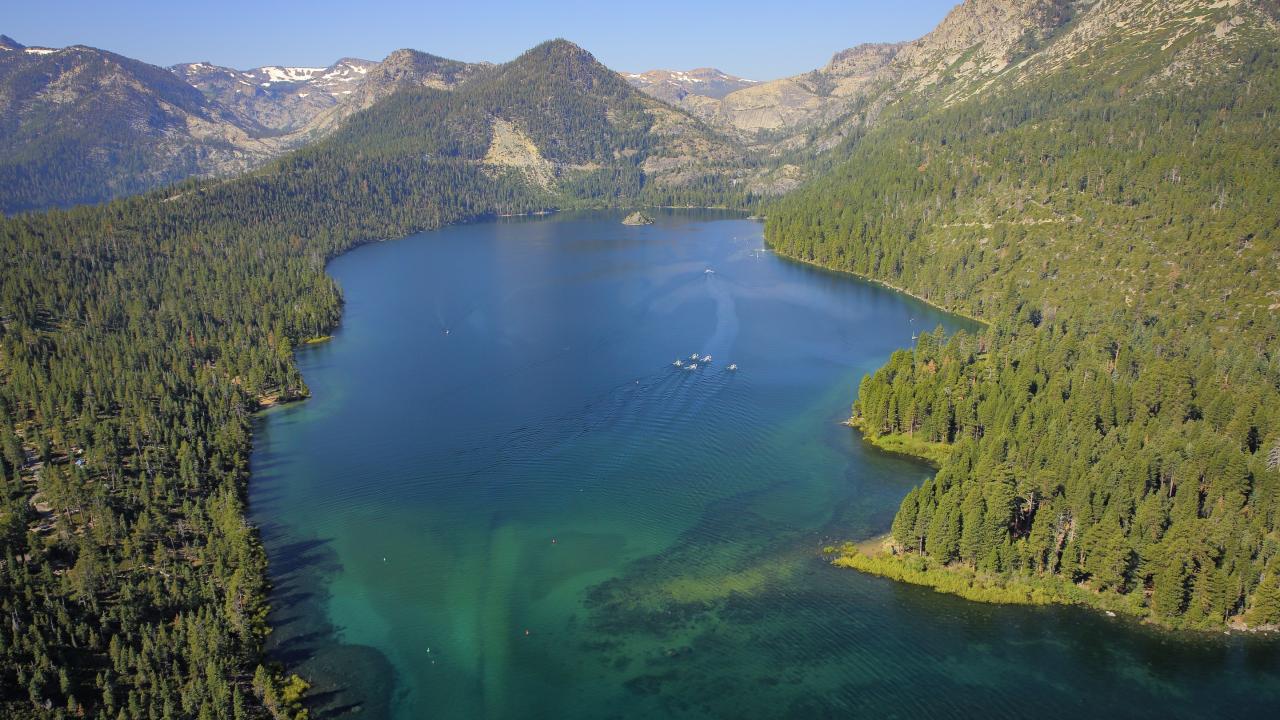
(79, 124)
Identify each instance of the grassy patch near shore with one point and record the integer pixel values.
(979, 587)
(932, 452)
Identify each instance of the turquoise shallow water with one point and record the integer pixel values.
(504, 501)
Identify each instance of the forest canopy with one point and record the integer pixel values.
(1117, 424)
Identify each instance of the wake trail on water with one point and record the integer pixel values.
(638, 413)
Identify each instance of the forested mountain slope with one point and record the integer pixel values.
(1109, 205)
(570, 128)
(82, 125)
(794, 124)
(137, 337)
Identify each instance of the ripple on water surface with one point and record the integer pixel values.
(536, 514)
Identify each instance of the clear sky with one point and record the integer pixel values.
(751, 38)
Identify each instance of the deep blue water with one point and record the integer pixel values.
(505, 501)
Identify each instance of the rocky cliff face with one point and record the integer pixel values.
(979, 37)
(754, 110)
(1184, 37)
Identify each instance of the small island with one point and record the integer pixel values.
(637, 218)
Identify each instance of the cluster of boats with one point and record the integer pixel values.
(694, 359)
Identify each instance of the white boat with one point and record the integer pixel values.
(678, 363)
(733, 366)
(691, 366)
(709, 271)
(693, 356)
(706, 358)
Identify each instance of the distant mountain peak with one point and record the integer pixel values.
(8, 43)
(569, 63)
(560, 45)
(674, 85)
(559, 52)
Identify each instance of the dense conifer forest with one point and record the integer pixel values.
(137, 337)
(1117, 424)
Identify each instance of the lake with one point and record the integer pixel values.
(505, 501)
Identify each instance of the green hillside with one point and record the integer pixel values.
(1114, 220)
(137, 337)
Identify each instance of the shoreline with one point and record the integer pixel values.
(869, 556)
(265, 405)
(903, 445)
(882, 283)
(875, 555)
